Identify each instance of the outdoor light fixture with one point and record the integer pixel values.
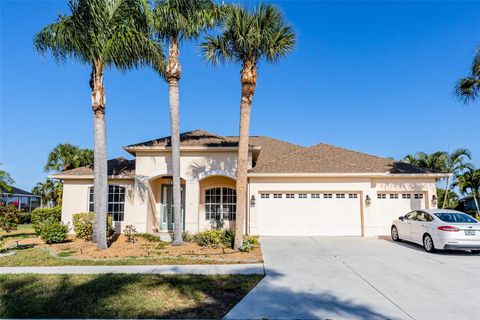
(368, 201)
(252, 201)
(434, 200)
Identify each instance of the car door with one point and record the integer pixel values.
(417, 227)
(405, 226)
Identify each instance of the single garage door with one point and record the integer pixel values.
(389, 206)
(310, 214)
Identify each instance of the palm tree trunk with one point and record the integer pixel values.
(173, 76)
(248, 82)
(100, 181)
(445, 198)
(476, 202)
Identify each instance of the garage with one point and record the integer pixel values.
(389, 206)
(318, 213)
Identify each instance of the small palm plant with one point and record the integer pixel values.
(247, 37)
(468, 88)
(175, 21)
(102, 34)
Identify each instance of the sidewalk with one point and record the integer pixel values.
(162, 269)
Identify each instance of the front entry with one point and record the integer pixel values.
(166, 208)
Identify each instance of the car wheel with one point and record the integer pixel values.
(428, 244)
(475, 251)
(394, 232)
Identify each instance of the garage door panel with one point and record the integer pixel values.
(310, 217)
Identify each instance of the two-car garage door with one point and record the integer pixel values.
(310, 214)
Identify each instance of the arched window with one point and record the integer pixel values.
(116, 201)
(220, 203)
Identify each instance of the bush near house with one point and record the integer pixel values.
(83, 225)
(41, 214)
(52, 231)
(9, 217)
(215, 238)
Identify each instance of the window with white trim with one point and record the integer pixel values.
(406, 196)
(302, 196)
(290, 196)
(353, 195)
(418, 196)
(327, 196)
(265, 195)
(277, 196)
(315, 196)
(393, 196)
(116, 201)
(381, 196)
(340, 195)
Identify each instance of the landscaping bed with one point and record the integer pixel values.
(121, 295)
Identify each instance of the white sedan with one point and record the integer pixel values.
(438, 229)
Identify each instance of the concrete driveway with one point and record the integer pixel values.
(361, 278)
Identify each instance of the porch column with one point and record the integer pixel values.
(192, 203)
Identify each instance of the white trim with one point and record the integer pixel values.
(210, 173)
(86, 177)
(352, 175)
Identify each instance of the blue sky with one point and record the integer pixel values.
(375, 77)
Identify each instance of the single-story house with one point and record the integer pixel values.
(23, 200)
(292, 190)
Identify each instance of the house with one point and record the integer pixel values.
(292, 190)
(468, 203)
(21, 199)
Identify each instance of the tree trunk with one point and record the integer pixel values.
(248, 82)
(445, 198)
(173, 76)
(100, 182)
(476, 202)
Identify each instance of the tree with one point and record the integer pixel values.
(50, 191)
(452, 201)
(6, 181)
(247, 37)
(66, 156)
(469, 183)
(9, 217)
(468, 88)
(433, 161)
(175, 21)
(455, 163)
(102, 34)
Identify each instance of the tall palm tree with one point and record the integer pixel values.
(66, 156)
(455, 164)
(468, 88)
(102, 34)
(6, 181)
(175, 21)
(469, 183)
(247, 37)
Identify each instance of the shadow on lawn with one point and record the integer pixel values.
(120, 296)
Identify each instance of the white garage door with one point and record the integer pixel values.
(389, 206)
(309, 214)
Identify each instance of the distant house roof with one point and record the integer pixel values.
(118, 167)
(17, 191)
(271, 156)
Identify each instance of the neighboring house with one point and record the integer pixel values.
(21, 199)
(468, 203)
(292, 190)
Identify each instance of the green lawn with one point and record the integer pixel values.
(23, 231)
(121, 295)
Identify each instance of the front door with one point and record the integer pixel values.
(166, 211)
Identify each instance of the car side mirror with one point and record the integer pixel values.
(401, 218)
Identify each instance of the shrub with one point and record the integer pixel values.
(210, 238)
(228, 238)
(253, 240)
(25, 218)
(83, 225)
(52, 231)
(131, 233)
(41, 214)
(9, 217)
(187, 236)
(246, 246)
(149, 237)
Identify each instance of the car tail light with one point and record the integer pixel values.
(448, 228)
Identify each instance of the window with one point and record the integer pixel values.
(340, 195)
(220, 203)
(393, 196)
(315, 196)
(454, 217)
(327, 196)
(302, 196)
(352, 195)
(290, 196)
(418, 196)
(116, 202)
(406, 196)
(277, 196)
(265, 196)
(381, 196)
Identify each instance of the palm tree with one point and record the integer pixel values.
(468, 88)
(434, 161)
(247, 37)
(66, 156)
(102, 34)
(50, 191)
(6, 181)
(455, 163)
(175, 21)
(469, 183)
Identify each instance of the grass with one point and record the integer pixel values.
(23, 231)
(121, 295)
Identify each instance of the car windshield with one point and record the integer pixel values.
(455, 217)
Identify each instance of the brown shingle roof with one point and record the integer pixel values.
(120, 167)
(198, 138)
(324, 158)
